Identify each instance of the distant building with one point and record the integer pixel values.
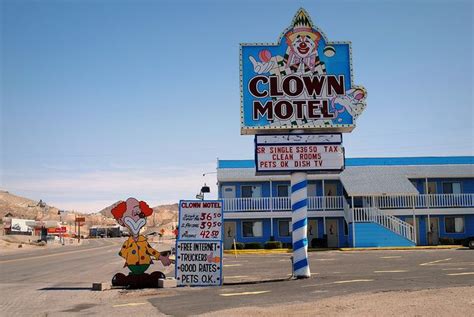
(105, 231)
(372, 203)
(27, 226)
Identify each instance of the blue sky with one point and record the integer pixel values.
(102, 100)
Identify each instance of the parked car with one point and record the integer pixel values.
(469, 242)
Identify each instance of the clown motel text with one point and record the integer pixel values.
(200, 220)
(303, 157)
(198, 263)
(288, 99)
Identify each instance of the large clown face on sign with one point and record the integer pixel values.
(303, 46)
(301, 82)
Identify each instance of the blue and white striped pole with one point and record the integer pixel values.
(299, 206)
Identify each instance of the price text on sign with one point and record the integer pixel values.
(199, 263)
(200, 220)
(301, 157)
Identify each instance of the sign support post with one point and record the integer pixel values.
(299, 207)
(299, 221)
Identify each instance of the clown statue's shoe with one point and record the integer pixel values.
(141, 280)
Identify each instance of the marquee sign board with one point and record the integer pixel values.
(200, 220)
(199, 263)
(302, 82)
(287, 153)
(199, 243)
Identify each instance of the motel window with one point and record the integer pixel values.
(252, 229)
(452, 188)
(246, 191)
(454, 224)
(284, 228)
(282, 191)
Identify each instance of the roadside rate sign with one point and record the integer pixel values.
(199, 243)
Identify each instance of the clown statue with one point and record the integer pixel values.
(136, 251)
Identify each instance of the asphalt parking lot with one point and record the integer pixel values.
(334, 273)
(58, 281)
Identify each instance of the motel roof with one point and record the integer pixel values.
(367, 176)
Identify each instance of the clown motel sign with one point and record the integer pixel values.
(301, 82)
(199, 243)
(312, 153)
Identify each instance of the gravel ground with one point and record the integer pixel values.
(458, 301)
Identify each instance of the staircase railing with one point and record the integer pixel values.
(392, 223)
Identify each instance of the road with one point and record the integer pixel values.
(53, 282)
(59, 280)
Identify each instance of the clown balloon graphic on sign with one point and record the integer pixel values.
(302, 82)
(136, 251)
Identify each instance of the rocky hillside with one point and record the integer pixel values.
(20, 207)
(163, 215)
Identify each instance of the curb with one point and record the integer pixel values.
(428, 247)
(285, 251)
(275, 251)
(258, 251)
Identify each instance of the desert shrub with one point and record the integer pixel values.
(253, 245)
(318, 243)
(273, 245)
(238, 246)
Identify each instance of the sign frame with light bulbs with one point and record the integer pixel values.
(302, 82)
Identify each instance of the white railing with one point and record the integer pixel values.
(281, 203)
(334, 202)
(257, 204)
(447, 200)
(390, 222)
(347, 212)
(426, 201)
(326, 203)
(315, 203)
(337, 202)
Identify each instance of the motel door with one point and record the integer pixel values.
(433, 236)
(229, 234)
(410, 221)
(312, 231)
(332, 233)
(330, 189)
(228, 191)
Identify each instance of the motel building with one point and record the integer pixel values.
(373, 202)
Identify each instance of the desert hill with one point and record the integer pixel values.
(25, 208)
(164, 216)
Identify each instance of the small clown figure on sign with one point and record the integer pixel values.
(136, 251)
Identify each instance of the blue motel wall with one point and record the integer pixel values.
(454, 194)
(268, 235)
